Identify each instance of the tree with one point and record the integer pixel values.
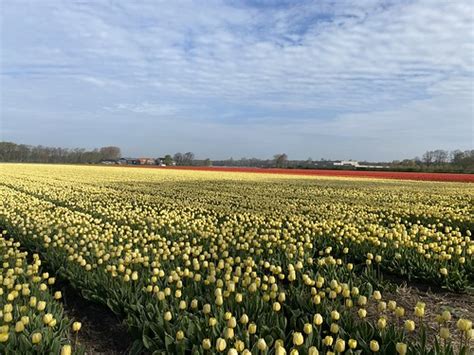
(428, 157)
(168, 160)
(110, 153)
(440, 156)
(11, 152)
(280, 160)
(208, 162)
(188, 158)
(178, 158)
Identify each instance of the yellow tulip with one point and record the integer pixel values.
(340, 345)
(19, 327)
(374, 346)
(317, 319)
(221, 344)
(409, 325)
(328, 340)
(206, 344)
(401, 348)
(3, 337)
(464, 324)
(298, 338)
(76, 326)
(252, 328)
(308, 328)
(261, 344)
(66, 350)
(444, 333)
(36, 338)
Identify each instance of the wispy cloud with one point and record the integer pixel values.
(362, 66)
(144, 107)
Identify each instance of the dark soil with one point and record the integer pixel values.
(102, 331)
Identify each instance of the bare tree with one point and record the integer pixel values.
(188, 158)
(112, 153)
(428, 157)
(440, 156)
(178, 158)
(281, 160)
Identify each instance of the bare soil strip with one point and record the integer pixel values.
(102, 332)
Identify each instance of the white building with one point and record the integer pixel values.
(347, 163)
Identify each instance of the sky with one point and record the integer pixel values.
(335, 79)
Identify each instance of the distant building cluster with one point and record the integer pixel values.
(355, 164)
(137, 161)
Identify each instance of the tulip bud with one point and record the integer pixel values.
(298, 338)
(261, 344)
(362, 313)
(66, 350)
(374, 345)
(76, 326)
(19, 327)
(377, 295)
(446, 315)
(221, 344)
(41, 306)
(206, 344)
(317, 319)
(444, 333)
(328, 340)
(47, 318)
(401, 348)
(400, 311)
(252, 328)
(7, 317)
(36, 338)
(409, 325)
(340, 345)
(229, 333)
(381, 323)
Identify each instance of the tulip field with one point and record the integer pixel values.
(202, 262)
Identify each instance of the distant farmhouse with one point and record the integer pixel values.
(162, 162)
(128, 161)
(147, 161)
(136, 161)
(347, 163)
(356, 164)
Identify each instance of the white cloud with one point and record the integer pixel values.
(144, 107)
(367, 67)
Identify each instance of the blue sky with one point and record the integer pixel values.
(341, 79)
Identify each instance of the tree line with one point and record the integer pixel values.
(439, 160)
(431, 161)
(22, 153)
